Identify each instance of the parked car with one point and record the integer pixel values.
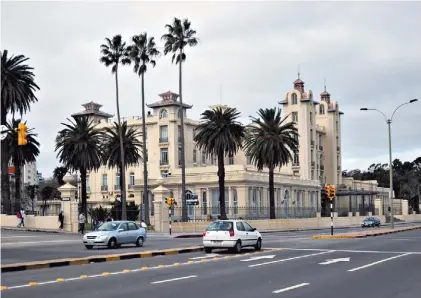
(231, 234)
(115, 233)
(371, 222)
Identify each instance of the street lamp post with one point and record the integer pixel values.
(389, 123)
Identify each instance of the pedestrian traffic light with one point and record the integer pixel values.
(22, 135)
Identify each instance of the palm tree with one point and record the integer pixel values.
(143, 51)
(17, 93)
(269, 143)
(220, 134)
(59, 173)
(179, 36)
(79, 149)
(114, 53)
(20, 155)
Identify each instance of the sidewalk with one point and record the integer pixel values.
(365, 234)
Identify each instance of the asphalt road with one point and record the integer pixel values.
(379, 267)
(21, 246)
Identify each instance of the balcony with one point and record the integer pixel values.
(130, 186)
(117, 187)
(321, 148)
(163, 140)
(163, 162)
(338, 148)
(312, 142)
(295, 164)
(322, 167)
(104, 188)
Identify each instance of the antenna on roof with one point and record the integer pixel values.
(325, 83)
(298, 70)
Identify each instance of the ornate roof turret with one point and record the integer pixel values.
(168, 99)
(299, 84)
(325, 95)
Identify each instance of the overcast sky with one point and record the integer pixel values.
(370, 54)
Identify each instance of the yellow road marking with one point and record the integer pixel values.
(60, 280)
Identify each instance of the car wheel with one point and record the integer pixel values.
(208, 250)
(237, 247)
(89, 246)
(258, 245)
(139, 242)
(112, 243)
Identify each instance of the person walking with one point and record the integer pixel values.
(144, 225)
(82, 220)
(19, 218)
(22, 215)
(61, 220)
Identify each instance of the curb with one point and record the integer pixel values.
(96, 259)
(37, 230)
(364, 235)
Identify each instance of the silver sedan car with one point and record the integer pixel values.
(113, 234)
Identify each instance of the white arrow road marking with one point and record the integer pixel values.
(258, 258)
(205, 257)
(332, 261)
(173, 279)
(290, 288)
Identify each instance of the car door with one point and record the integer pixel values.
(241, 232)
(133, 232)
(123, 234)
(252, 235)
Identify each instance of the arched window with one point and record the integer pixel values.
(321, 109)
(163, 114)
(294, 98)
(190, 208)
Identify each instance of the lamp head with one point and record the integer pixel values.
(413, 100)
(363, 109)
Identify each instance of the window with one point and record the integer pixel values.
(247, 227)
(131, 180)
(231, 160)
(164, 156)
(204, 203)
(240, 226)
(296, 159)
(312, 175)
(203, 158)
(179, 156)
(163, 133)
(321, 109)
(337, 125)
(294, 98)
(132, 226)
(179, 133)
(104, 180)
(117, 180)
(124, 226)
(87, 181)
(213, 160)
(163, 114)
(311, 156)
(295, 116)
(311, 117)
(194, 155)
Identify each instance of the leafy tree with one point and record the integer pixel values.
(179, 37)
(32, 192)
(20, 155)
(98, 213)
(269, 143)
(114, 52)
(18, 89)
(142, 52)
(131, 207)
(79, 149)
(48, 190)
(131, 144)
(59, 173)
(220, 134)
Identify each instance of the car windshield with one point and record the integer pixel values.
(108, 226)
(220, 226)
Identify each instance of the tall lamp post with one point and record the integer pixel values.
(389, 122)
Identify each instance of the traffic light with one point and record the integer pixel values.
(328, 192)
(168, 201)
(22, 135)
(333, 191)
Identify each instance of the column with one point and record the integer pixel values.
(378, 205)
(404, 207)
(69, 207)
(161, 220)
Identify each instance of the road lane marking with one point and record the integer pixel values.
(333, 261)
(290, 288)
(378, 262)
(352, 251)
(39, 242)
(10, 237)
(258, 258)
(173, 279)
(293, 258)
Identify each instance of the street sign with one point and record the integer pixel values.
(332, 261)
(258, 258)
(3, 130)
(193, 200)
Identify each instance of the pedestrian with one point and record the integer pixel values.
(61, 220)
(22, 214)
(144, 225)
(109, 218)
(82, 220)
(19, 218)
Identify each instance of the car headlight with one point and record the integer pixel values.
(102, 236)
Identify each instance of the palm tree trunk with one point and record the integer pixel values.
(18, 186)
(221, 182)
(122, 173)
(5, 180)
(83, 192)
(272, 213)
(182, 161)
(145, 161)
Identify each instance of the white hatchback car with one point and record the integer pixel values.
(231, 234)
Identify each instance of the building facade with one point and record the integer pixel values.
(297, 185)
(30, 173)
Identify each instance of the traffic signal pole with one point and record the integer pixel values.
(331, 217)
(169, 217)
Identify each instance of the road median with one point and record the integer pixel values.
(96, 259)
(365, 234)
